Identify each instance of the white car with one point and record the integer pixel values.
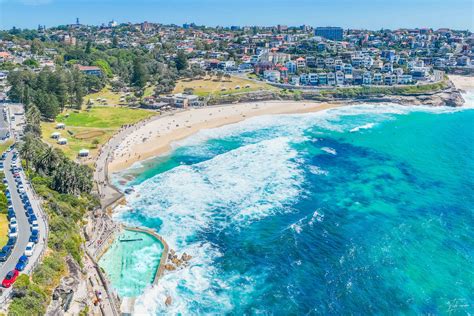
(13, 233)
(13, 222)
(30, 249)
(34, 225)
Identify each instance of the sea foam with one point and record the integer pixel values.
(232, 189)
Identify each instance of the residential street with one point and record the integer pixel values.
(23, 224)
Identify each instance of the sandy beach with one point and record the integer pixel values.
(462, 82)
(155, 137)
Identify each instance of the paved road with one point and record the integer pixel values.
(4, 127)
(23, 224)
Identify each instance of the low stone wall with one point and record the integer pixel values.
(244, 97)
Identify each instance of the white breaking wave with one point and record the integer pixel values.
(365, 126)
(235, 188)
(318, 171)
(329, 150)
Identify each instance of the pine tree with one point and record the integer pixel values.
(181, 61)
(88, 48)
(140, 75)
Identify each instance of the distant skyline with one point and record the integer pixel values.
(368, 14)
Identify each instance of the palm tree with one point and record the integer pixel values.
(47, 161)
(28, 149)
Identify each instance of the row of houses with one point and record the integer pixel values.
(339, 78)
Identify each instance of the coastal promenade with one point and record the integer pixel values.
(108, 193)
(104, 229)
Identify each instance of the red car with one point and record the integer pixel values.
(10, 278)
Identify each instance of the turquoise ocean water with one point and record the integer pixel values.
(356, 210)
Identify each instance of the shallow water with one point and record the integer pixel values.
(362, 210)
(131, 262)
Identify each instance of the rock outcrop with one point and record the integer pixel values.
(174, 261)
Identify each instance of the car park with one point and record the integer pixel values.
(30, 247)
(10, 278)
(22, 263)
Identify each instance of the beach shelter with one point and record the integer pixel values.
(62, 141)
(55, 135)
(83, 153)
(60, 126)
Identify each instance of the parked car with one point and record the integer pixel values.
(10, 278)
(5, 252)
(30, 249)
(22, 263)
(13, 232)
(34, 236)
(34, 225)
(11, 214)
(11, 242)
(13, 222)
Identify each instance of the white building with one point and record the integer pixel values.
(272, 75)
(313, 79)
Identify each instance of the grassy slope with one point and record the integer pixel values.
(100, 123)
(3, 230)
(3, 217)
(204, 87)
(5, 145)
(113, 98)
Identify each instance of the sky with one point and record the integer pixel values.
(368, 14)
